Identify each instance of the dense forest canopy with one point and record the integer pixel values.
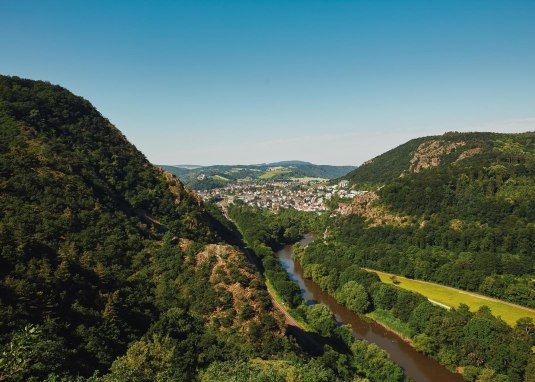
(478, 343)
(462, 213)
(457, 209)
(111, 268)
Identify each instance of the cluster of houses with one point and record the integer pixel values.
(275, 195)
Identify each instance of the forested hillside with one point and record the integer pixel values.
(464, 218)
(347, 357)
(109, 266)
(458, 210)
(418, 154)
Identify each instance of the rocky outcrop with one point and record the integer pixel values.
(469, 153)
(364, 205)
(235, 281)
(428, 154)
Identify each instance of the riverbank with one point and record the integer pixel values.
(391, 323)
(291, 319)
(417, 366)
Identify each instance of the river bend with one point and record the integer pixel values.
(417, 366)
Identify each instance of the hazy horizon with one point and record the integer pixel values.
(510, 129)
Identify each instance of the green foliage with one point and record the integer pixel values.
(470, 373)
(406, 303)
(455, 337)
(264, 228)
(384, 296)
(425, 344)
(387, 318)
(267, 371)
(321, 319)
(471, 218)
(98, 255)
(156, 359)
(30, 355)
(386, 166)
(354, 296)
(265, 232)
(374, 362)
(274, 230)
(80, 208)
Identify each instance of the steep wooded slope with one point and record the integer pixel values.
(458, 209)
(102, 252)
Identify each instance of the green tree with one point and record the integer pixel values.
(148, 360)
(354, 296)
(321, 319)
(30, 355)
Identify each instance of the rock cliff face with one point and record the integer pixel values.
(469, 153)
(428, 154)
(375, 214)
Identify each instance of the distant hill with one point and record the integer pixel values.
(188, 166)
(420, 154)
(220, 175)
(175, 170)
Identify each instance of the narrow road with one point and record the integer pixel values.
(289, 319)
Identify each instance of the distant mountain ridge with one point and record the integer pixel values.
(214, 176)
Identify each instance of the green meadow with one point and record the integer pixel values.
(452, 297)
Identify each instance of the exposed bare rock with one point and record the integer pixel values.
(233, 276)
(428, 154)
(469, 153)
(360, 204)
(363, 205)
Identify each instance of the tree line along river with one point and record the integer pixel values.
(417, 366)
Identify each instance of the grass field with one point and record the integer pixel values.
(219, 177)
(453, 297)
(387, 319)
(273, 173)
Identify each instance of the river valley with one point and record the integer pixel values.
(417, 366)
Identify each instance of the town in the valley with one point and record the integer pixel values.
(303, 196)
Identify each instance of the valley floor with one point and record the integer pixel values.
(452, 297)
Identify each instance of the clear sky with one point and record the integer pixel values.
(331, 82)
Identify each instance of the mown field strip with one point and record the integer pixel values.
(452, 297)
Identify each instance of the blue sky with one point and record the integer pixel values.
(334, 82)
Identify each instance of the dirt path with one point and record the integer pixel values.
(289, 319)
(459, 290)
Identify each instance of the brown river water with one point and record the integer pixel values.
(417, 366)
